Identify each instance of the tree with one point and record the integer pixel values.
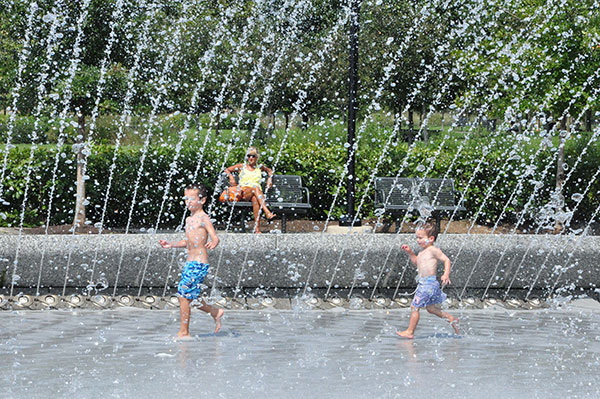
(83, 97)
(8, 56)
(416, 42)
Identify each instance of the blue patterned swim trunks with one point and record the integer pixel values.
(428, 293)
(192, 276)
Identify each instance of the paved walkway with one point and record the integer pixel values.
(130, 353)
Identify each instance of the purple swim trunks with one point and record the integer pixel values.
(428, 293)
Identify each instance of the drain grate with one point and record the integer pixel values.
(49, 301)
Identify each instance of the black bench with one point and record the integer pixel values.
(415, 194)
(286, 198)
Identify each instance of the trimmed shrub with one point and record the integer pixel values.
(497, 188)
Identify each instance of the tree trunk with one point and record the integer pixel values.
(218, 125)
(443, 117)
(287, 120)
(79, 218)
(411, 125)
(304, 121)
(588, 120)
(423, 126)
(560, 174)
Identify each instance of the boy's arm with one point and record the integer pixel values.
(411, 254)
(442, 257)
(210, 229)
(176, 244)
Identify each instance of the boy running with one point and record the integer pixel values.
(428, 294)
(198, 228)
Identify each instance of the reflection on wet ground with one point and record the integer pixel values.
(130, 353)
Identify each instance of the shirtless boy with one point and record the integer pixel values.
(198, 228)
(428, 294)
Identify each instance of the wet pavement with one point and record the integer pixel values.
(131, 353)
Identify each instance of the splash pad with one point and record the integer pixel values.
(130, 353)
(159, 95)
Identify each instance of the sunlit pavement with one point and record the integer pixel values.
(336, 354)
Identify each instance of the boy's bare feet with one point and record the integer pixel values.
(183, 335)
(454, 324)
(405, 334)
(269, 215)
(217, 318)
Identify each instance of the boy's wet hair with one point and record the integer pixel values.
(430, 229)
(197, 186)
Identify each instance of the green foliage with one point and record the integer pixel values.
(522, 63)
(8, 48)
(22, 129)
(537, 62)
(459, 52)
(41, 171)
(320, 166)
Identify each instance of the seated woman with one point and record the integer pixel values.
(250, 175)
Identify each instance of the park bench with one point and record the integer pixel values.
(286, 198)
(425, 196)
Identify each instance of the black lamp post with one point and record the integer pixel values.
(346, 220)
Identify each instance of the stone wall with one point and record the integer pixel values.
(286, 260)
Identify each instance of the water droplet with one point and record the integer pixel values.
(48, 18)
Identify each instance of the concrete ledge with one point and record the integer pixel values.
(349, 230)
(289, 260)
(585, 304)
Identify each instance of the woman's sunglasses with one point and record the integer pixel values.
(250, 155)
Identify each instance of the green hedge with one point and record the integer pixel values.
(320, 166)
